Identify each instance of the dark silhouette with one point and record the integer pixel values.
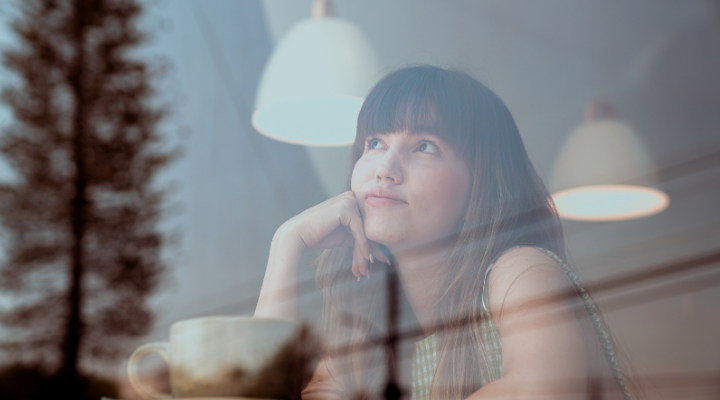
(80, 217)
(32, 382)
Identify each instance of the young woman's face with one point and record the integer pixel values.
(411, 189)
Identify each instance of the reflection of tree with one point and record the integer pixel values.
(83, 249)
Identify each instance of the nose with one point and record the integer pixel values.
(390, 169)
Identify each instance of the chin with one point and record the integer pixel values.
(384, 234)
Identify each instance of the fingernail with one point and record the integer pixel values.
(372, 258)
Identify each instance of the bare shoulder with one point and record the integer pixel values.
(542, 340)
(522, 275)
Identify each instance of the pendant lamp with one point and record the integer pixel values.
(315, 81)
(604, 172)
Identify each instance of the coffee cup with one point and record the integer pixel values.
(232, 357)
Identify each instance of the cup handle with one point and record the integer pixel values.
(132, 369)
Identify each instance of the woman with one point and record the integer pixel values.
(443, 192)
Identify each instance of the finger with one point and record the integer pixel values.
(377, 252)
(358, 264)
(347, 238)
(355, 271)
(360, 261)
(351, 219)
(363, 266)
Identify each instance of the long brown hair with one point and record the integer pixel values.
(509, 206)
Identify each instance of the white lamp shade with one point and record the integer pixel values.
(604, 173)
(314, 84)
(599, 203)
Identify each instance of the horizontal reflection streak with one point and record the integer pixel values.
(618, 301)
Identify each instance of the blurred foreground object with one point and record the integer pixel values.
(315, 81)
(234, 357)
(604, 172)
(23, 382)
(82, 244)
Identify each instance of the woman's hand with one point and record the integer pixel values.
(335, 222)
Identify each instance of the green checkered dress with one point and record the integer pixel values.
(426, 356)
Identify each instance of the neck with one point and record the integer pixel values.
(420, 270)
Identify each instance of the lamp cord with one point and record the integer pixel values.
(323, 9)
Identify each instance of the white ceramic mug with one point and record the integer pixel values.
(226, 357)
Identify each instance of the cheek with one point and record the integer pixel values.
(445, 197)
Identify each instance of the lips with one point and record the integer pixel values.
(378, 196)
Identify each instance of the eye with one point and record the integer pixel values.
(427, 147)
(373, 144)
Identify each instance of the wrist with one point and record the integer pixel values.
(288, 238)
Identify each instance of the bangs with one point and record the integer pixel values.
(418, 100)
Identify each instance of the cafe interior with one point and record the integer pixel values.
(617, 102)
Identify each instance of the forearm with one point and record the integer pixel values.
(278, 293)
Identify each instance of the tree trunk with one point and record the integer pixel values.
(74, 323)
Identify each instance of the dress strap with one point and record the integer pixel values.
(595, 319)
(425, 362)
(485, 297)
